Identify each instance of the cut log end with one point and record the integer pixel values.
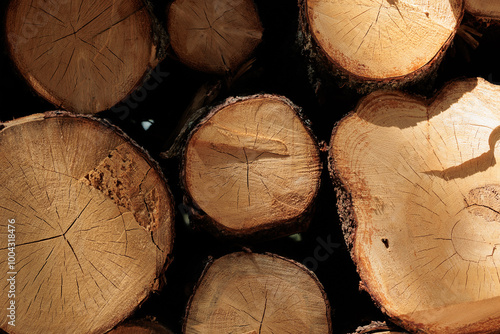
(421, 202)
(82, 56)
(214, 36)
(252, 166)
(389, 40)
(255, 293)
(84, 252)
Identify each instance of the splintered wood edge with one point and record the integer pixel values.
(211, 260)
(348, 218)
(167, 258)
(322, 63)
(270, 231)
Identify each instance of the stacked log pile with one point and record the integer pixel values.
(249, 166)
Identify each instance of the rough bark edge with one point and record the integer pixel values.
(269, 231)
(160, 43)
(322, 68)
(345, 207)
(161, 268)
(211, 260)
(378, 327)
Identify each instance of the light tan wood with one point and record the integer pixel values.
(93, 224)
(257, 293)
(486, 9)
(215, 36)
(384, 39)
(253, 165)
(418, 183)
(82, 56)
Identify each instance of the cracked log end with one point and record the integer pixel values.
(422, 204)
(253, 167)
(214, 36)
(87, 253)
(257, 293)
(82, 56)
(386, 40)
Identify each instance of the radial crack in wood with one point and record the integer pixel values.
(425, 242)
(252, 166)
(82, 56)
(380, 40)
(215, 36)
(257, 293)
(86, 254)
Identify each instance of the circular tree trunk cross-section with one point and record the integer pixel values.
(419, 195)
(381, 40)
(255, 293)
(82, 56)
(92, 222)
(214, 36)
(253, 166)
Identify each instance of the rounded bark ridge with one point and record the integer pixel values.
(421, 201)
(86, 224)
(383, 39)
(257, 293)
(82, 56)
(253, 165)
(214, 36)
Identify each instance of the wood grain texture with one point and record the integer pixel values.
(87, 253)
(257, 293)
(418, 184)
(83, 56)
(253, 165)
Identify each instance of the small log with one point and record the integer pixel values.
(483, 9)
(82, 56)
(418, 186)
(214, 36)
(382, 43)
(86, 224)
(252, 168)
(140, 327)
(257, 293)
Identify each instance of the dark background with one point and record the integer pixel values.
(281, 69)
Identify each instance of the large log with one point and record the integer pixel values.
(375, 43)
(82, 56)
(418, 186)
(257, 293)
(86, 225)
(252, 168)
(214, 36)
